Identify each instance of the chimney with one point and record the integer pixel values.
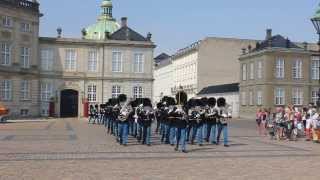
(249, 48)
(287, 43)
(149, 36)
(305, 46)
(124, 22)
(127, 34)
(59, 31)
(269, 34)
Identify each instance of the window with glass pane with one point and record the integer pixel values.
(137, 92)
(46, 59)
(25, 57)
(279, 96)
(92, 60)
(6, 90)
(70, 61)
(244, 72)
(259, 97)
(25, 27)
(92, 93)
(280, 68)
(116, 62)
(5, 54)
(116, 90)
(25, 90)
(251, 71)
(251, 98)
(259, 69)
(138, 63)
(7, 21)
(46, 91)
(314, 96)
(243, 98)
(297, 69)
(315, 64)
(297, 96)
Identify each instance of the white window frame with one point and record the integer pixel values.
(314, 95)
(117, 60)
(244, 72)
(297, 96)
(259, 97)
(25, 57)
(137, 92)
(251, 98)
(5, 54)
(92, 93)
(45, 109)
(279, 68)
(115, 91)
(6, 90)
(259, 69)
(47, 59)
(7, 21)
(46, 90)
(243, 98)
(24, 90)
(252, 71)
(279, 96)
(138, 63)
(25, 27)
(297, 69)
(70, 60)
(93, 60)
(315, 64)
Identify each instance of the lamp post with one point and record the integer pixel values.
(316, 23)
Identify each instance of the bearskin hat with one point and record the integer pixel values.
(113, 101)
(212, 101)
(170, 101)
(204, 101)
(191, 103)
(181, 98)
(102, 106)
(221, 102)
(198, 102)
(147, 102)
(159, 105)
(122, 98)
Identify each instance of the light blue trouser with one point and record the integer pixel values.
(224, 129)
(213, 136)
(172, 135)
(200, 134)
(123, 132)
(181, 137)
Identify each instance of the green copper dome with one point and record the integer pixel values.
(105, 23)
(317, 15)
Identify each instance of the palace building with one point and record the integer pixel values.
(277, 72)
(57, 76)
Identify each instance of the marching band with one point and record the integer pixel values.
(178, 121)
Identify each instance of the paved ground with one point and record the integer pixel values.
(72, 149)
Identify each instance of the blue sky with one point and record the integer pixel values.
(178, 23)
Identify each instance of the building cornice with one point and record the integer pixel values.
(276, 50)
(21, 4)
(75, 41)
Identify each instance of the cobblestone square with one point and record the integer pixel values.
(72, 149)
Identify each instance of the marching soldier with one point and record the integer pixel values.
(222, 121)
